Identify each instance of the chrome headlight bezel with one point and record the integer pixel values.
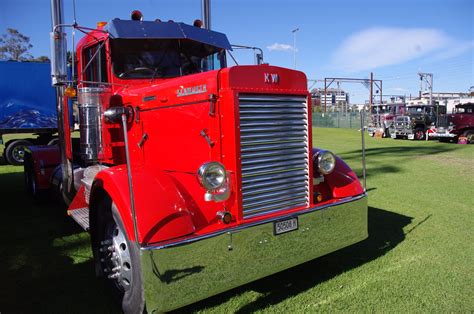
(323, 158)
(206, 169)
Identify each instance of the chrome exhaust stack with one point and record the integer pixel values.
(206, 14)
(59, 77)
(58, 44)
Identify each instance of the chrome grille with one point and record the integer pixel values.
(274, 152)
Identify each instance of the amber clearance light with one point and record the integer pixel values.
(70, 92)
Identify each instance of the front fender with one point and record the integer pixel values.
(342, 182)
(161, 212)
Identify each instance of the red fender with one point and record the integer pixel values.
(45, 159)
(342, 182)
(161, 212)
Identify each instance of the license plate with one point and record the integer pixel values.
(284, 226)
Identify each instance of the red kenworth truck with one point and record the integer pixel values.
(194, 177)
(458, 124)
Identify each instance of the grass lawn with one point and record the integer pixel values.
(419, 255)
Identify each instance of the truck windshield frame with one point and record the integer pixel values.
(163, 58)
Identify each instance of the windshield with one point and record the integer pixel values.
(381, 109)
(163, 58)
(414, 110)
(464, 109)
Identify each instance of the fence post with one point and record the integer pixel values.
(362, 130)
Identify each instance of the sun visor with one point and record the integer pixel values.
(128, 29)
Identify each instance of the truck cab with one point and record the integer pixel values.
(383, 116)
(417, 122)
(458, 124)
(194, 171)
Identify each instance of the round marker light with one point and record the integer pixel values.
(136, 16)
(70, 92)
(197, 23)
(326, 162)
(212, 175)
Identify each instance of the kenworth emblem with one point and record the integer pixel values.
(186, 91)
(272, 78)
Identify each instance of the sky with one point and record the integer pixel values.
(339, 38)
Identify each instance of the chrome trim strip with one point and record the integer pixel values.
(191, 239)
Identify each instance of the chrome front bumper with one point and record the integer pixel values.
(442, 135)
(183, 272)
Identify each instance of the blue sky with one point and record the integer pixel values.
(394, 39)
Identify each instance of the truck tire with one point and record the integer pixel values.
(15, 152)
(419, 134)
(121, 271)
(469, 134)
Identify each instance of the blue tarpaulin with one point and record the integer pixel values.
(27, 99)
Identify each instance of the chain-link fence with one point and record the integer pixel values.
(349, 120)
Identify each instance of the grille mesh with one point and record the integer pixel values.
(274, 151)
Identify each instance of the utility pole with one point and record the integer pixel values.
(294, 45)
(426, 80)
(371, 92)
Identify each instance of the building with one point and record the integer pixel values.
(332, 100)
(448, 99)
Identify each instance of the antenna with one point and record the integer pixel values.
(73, 33)
(74, 11)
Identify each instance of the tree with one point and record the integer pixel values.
(40, 59)
(15, 46)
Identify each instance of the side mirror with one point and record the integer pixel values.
(114, 114)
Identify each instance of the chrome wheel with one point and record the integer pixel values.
(419, 134)
(115, 256)
(18, 153)
(15, 152)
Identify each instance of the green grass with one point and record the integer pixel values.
(419, 255)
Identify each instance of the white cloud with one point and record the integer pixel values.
(456, 50)
(378, 47)
(280, 47)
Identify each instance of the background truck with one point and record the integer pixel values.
(417, 121)
(27, 106)
(383, 116)
(194, 177)
(458, 124)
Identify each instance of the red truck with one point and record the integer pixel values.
(194, 177)
(383, 116)
(458, 124)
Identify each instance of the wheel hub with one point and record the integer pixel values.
(115, 258)
(19, 153)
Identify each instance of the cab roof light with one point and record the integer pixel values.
(197, 23)
(136, 15)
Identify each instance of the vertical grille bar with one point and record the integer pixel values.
(274, 152)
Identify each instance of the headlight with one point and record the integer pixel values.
(326, 162)
(212, 175)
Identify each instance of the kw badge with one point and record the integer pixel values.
(272, 78)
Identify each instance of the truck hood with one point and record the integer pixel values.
(195, 113)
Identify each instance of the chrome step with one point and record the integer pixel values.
(81, 216)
